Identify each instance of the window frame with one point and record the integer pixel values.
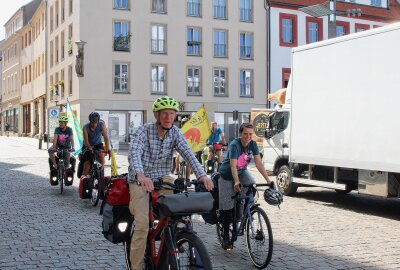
(242, 19)
(153, 10)
(192, 93)
(219, 31)
(158, 81)
(120, 91)
(245, 57)
(344, 24)
(320, 23)
(123, 48)
(120, 6)
(251, 83)
(194, 42)
(292, 17)
(215, 7)
(200, 6)
(225, 94)
(361, 26)
(164, 51)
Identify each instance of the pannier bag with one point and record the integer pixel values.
(117, 191)
(85, 188)
(117, 223)
(212, 216)
(102, 186)
(69, 177)
(53, 178)
(183, 204)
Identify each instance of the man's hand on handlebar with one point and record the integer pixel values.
(208, 184)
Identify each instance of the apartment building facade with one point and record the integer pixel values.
(200, 52)
(33, 74)
(290, 27)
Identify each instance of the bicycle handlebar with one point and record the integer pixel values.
(254, 186)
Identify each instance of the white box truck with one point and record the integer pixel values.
(340, 125)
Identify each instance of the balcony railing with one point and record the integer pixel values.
(245, 52)
(193, 9)
(220, 12)
(246, 15)
(220, 50)
(158, 45)
(122, 43)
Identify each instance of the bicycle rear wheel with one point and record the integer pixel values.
(95, 189)
(193, 253)
(259, 239)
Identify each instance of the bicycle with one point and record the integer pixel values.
(255, 223)
(212, 165)
(62, 155)
(171, 240)
(96, 177)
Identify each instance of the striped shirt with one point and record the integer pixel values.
(151, 155)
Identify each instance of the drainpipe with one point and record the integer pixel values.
(267, 6)
(46, 72)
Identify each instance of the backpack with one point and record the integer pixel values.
(117, 219)
(85, 187)
(212, 216)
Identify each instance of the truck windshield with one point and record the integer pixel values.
(279, 122)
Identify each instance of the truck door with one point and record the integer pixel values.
(276, 142)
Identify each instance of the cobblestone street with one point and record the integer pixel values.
(316, 229)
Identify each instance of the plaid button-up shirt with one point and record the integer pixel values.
(151, 155)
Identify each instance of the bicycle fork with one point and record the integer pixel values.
(172, 249)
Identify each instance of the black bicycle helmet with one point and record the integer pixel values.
(273, 196)
(94, 117)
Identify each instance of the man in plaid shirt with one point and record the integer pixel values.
(150, 158)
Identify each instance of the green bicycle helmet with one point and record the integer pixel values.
(163, 103)
(63, 118)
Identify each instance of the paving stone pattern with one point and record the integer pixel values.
(316, 229)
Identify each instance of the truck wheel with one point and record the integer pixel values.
(284, 181)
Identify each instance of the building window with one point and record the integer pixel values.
(285, 76)
(361, 27)
(314, 28)
(120, 78)
(158, 38)
(194, 41)
(51, 19)
(246, 10)
(193, 8)
(220, 9)
(246, 83)
(70, 39)
(219, 82)
(62, 45)
(61, 84)
(193, 81)
(220, 38)
(376, 3)
(70, 80)
(342, 28)
(51, 54)
(121, 4)
(121, 36)
(57, 14)
(159, 6)
(70, 7)
(246, 45)
(56, 50)
(62, 10)
(158, 84)
(287, 30)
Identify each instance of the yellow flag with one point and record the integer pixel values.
(197, 130)
(113, 164)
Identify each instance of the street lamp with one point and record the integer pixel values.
(79, 58)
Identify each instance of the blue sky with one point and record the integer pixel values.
(7, 9)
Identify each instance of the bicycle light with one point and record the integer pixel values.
(122, 226)
(54, 178)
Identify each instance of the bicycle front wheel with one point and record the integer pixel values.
(193, 253)
(259, 239)
(61, 178)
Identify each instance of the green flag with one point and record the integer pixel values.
(76, 129)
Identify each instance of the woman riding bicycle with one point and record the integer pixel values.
(216, 139)
(234, 172)
(63, 139)
(150, 157)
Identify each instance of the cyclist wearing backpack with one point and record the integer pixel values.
(234, 172)
(150, 158)
(63, 139)
(92, 133)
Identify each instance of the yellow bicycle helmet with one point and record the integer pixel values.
(163, 103)
(63, 118)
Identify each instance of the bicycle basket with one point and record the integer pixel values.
(184, 204)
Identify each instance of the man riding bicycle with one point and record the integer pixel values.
(150, 158)
(63, 140)
(216, 139)
(92, 133)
